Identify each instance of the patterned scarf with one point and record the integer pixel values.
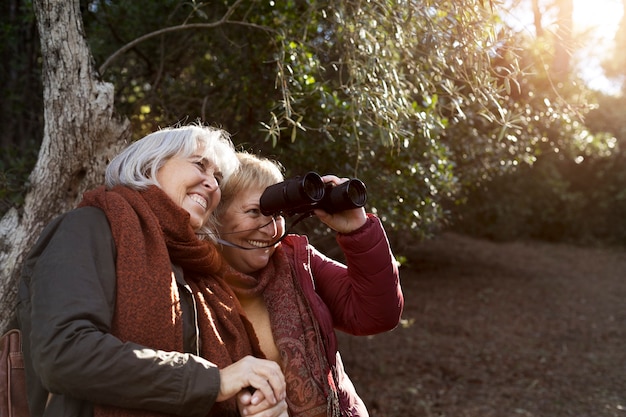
(150, 230)
(311, 389)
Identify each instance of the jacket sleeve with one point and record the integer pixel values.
(68, 295)
(364, 296)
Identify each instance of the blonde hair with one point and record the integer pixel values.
(254, 172)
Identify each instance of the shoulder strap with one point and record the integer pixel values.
(13, 399)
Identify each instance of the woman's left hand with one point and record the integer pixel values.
(343, 221)
(255, 405)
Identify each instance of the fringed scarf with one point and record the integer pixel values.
(151, 232)
(311, 389)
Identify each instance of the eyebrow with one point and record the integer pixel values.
(203, 159)
(209, 161)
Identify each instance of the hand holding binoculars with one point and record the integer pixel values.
(302, 194)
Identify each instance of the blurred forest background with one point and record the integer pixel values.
(499, 119)
(486, 125)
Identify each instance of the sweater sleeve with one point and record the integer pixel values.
(364, 296)
(67, 297)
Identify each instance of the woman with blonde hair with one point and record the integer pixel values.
(296, 297)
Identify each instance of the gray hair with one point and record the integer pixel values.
(136, 166)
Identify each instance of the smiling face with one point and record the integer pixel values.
(243, 224)
(193, 184)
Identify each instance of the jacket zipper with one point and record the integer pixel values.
(195, 318)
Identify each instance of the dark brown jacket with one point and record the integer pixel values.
(65, 307)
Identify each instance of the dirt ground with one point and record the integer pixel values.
(500, 330)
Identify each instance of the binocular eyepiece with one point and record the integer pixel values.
(302, 194)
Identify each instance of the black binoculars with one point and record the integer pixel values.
(302, 194)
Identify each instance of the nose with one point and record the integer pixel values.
(270, 227)
(210, 182)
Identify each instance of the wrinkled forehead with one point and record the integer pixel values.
(216, 157)
(195, 147)
(213, 150)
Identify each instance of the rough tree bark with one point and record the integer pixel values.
(81, 133)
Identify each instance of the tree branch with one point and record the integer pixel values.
(224, 20)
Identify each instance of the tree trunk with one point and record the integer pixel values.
(537, 15)
(564, 41)
(81, 133)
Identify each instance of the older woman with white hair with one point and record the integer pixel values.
(121, 302)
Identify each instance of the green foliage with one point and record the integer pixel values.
(21, 115)
(423, 100)
(556, 199)
(20, 74)
(608, 115)
(356, 88)
(570, 187)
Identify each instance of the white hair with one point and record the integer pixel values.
(136, 166)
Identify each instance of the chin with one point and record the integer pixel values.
(261, 264)
(196, 226)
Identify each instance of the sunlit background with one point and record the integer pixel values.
(595, 23)
(598, 19)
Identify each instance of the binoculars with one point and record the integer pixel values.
(302, 194)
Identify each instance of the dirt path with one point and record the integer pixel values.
(513, 329)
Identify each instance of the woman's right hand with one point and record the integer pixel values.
(345, 221)
(250, 372)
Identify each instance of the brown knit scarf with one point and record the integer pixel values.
(310, 388)
(151, 232)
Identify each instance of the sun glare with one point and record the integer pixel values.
(596, 21)
(601, 17)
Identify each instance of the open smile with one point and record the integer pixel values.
(259, 243)
(200, 200)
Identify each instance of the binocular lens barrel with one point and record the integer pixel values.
(313, 187)
(302, 194)
(292, 194)
(345, 196)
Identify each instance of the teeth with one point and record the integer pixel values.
(257, 243)
(199, 199)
